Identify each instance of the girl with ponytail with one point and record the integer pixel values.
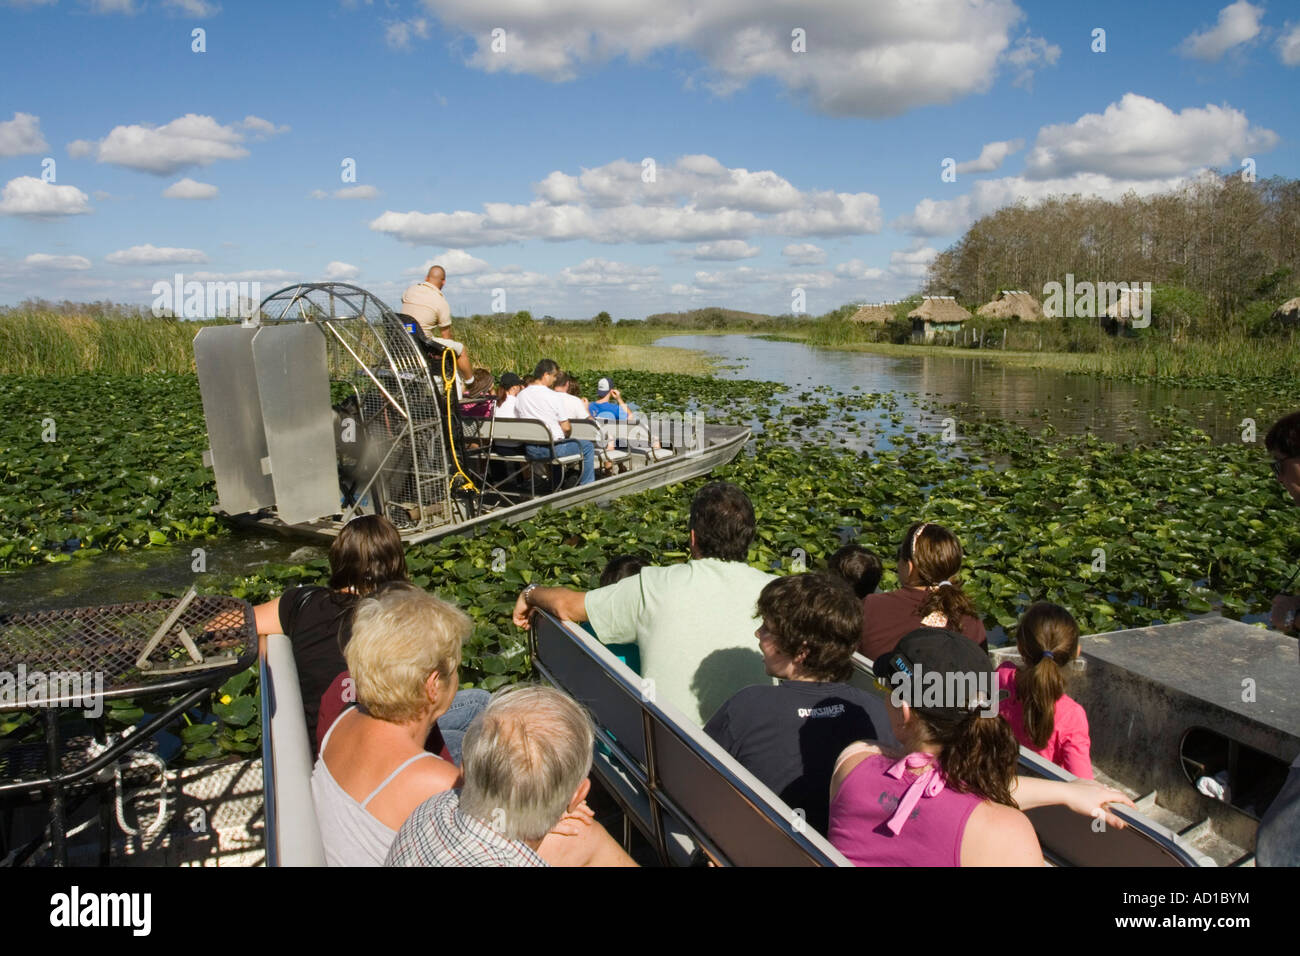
(1041, 715)
(930, 595)
(950, 796)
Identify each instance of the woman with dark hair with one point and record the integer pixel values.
(929, 595)
(1042, 715)
(366, 555)
(957, 767)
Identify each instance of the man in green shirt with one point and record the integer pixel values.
(693, 623)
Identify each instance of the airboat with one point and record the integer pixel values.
(324, 405)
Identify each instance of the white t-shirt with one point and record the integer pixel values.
(506, 408)
(543, 404)
(574, 406)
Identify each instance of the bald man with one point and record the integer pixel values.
(425, 303)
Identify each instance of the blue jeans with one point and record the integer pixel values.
(562, 448)
(465, 706)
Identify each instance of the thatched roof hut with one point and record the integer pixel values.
(941, 309)
(1288, 313)
(1011, 303)
(936, 313)
(878, 312)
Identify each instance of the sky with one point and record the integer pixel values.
(575, 156)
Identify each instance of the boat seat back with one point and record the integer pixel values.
(1069, 839)
(292, 833)
(679, 788)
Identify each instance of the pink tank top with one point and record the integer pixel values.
(864, 816)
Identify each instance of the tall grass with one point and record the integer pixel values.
(49, 343)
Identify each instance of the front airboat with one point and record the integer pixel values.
(324, 405)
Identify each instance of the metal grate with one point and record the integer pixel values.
(378, 372)
(109, 640)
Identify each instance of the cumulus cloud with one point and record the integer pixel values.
(914, 262)
(455, 262)
(21, 136)
(1288, 45)
(194, 8)
(40, 260)
(804, 254)
(1028, 55)
(399, 34)
(340, 271)
(150, 255)
(858, 270)
(190, 140)
(696, 199)
(1237, 24)
(991, 156)
(189, 189)
(724, 250)
(878, 59)
(347, 192)
(1140, 138)
(32, 197)
(607, 273)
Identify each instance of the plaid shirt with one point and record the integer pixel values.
(439, 834)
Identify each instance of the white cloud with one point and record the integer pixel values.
(150, 255)
(858, 270)
(21, 136)
(248, 275)
(804, 254)
(195, 8)
(114, 6)
(912, 263)
(1237, 24)
(725, 250)
(29, 196)
(696, 199)
(1029, 54)
(604, 273)
(340, 271)
(189, 189)
(1140, 138)
(190, 140)
(347, 192)
(991, 156)
(40, 260)
(877, 59)
(398, 34)
(455, 262)
(1288, 45)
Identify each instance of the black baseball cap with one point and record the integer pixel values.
(510, 380)
(939, 674)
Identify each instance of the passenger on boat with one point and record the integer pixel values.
(950, 796)
(427, 306)
(367, 554)
(509, 386)
(861, 569)
(930, 595)
(609, 406)
(693, 623)
(789, 735)
(373, 770)
(1042, 715)
(566, 387)
(523, 801)
(1283, 441)
(542, 402)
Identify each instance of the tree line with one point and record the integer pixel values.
(1222, 251)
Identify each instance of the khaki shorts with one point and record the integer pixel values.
(456, 347)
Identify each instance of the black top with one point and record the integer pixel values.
(318, 622)
(789, 735)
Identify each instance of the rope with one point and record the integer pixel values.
(449, 382)
(138, 758)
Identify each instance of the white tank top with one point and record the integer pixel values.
(352, 837)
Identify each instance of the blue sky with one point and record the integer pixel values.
(518, 158)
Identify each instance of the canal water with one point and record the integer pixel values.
(925, 387)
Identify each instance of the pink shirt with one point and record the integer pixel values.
(1069, 746)
(868, 798)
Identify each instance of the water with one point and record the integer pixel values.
(1072, 404)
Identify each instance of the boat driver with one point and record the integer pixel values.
(425, 304)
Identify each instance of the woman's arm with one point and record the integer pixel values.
(268, 617)
(850, 757)
(1085, 797)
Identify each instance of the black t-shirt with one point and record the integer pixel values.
(789, 735)
(318, 622)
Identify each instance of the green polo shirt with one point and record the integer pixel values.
(694, 626)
